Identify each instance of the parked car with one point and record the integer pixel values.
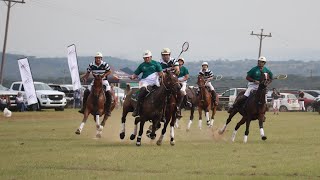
(12, 96)
(316, 104)
(314, 93)
(227, 98)
(47, 97)
(308, 99)
(67, 89)
(288, 102)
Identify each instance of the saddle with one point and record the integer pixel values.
(150, 89)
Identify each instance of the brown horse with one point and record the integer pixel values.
(152, 106)
(96, 106)
(254, 108)
(204, 102)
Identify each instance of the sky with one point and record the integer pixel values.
(215, 29)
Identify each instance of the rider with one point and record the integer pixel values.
(183, 77)
(151, 70)
(167, 62)
(253, 76)
(102, 68)
(208, 76)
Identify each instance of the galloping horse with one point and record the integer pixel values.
(96, 106)
(254, 108)
(204, 103)
(152, 106)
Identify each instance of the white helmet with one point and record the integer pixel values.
(205, 63)
(99, 54)
(181, 58)
(262, 58)
(165, 51)
(147, 53)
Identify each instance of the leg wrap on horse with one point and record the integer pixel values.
(143, 92)
(108, 103)
(84, 101)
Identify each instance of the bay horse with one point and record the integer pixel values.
(152, 106)
(204, 102)
(95, 105)
(254, 108)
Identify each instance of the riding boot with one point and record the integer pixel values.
(143, 92)
(238, 103)
(213, 94)
(84, 101)
(108, 103)
(179, 103)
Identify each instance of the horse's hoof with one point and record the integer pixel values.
(264, 138)
(148, 134)
(132, 137)
(138, 143)
(159, 143)
(122, 135)
(98, 135)
(172, 143)
(78, 131)
(153, 136)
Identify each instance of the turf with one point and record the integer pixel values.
(43, 145)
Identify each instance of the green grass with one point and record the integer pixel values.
(42, 145)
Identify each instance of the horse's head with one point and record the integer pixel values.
(201, 82)
(97, 80)
(170, 81)
(265, 80)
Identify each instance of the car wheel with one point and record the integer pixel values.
(309, 109)
(283, 109)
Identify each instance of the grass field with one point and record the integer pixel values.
(42, 145)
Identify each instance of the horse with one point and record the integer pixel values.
(204, 102)
(96, 106)
(254, 108)
(152, 106)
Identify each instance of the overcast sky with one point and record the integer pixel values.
(124, 28)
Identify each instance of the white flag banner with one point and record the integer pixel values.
(73, 66)
(27, 81)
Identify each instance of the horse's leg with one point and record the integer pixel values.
(164, 129)
(135, 129)
(123, 123)
(84, 120)
(99, 132)
(261, 118)
(172, 141)
(214, 110)
(142, 121)
(207, 117)
(246, 133)
(242, 121)
(233, 113)
(200, 117)
(191, 117)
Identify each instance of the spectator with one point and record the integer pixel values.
(4, 102)
(301, 101)
(20, 103)
(77, 98)
(276, 101)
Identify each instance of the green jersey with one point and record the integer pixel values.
(255, 73)
(183, 71)
(148, 68)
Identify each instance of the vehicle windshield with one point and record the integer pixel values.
(2, 88)
(42, 87)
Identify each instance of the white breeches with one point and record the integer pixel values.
(183, 88)
(276, 103)
(208, 84)
(104, 82)
(152, 79)
(251, 87)
(302, 105)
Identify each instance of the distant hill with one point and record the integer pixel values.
(56, 69)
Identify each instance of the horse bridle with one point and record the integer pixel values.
(166, 88)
